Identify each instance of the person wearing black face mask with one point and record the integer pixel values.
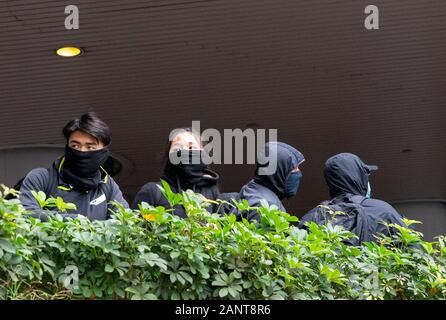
(281, 183)
(188, 174)
(79, 176)
(81, 169)
(187, 171)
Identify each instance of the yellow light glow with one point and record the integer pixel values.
(69, 51)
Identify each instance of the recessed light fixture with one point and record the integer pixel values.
(68, 52)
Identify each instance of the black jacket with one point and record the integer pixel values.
(93, 204)
(270, 188)
(347, 179)
(151, 194)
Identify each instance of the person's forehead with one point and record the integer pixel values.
(185, 137)
(83, 137)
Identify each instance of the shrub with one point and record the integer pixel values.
(152, 254)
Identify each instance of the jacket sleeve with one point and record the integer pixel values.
(115, 195)
(310, 216)
(37, 180)
(387, 214)
(251, 214)
(228, 208)
(148, 193)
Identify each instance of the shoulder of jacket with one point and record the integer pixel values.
(252, 185)
(383, 206)
(152, 185)
(311, 213)
(38, 173)
(110, 181)
(109, 187)
(150, 189)
(369, 202)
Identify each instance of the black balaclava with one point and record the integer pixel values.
(187, 173)
(287, 159)
(345, 173)
(82, 169)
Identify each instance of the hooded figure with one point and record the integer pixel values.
(347, 178)
(273, 188)
(180, 177)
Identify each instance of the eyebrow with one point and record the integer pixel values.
(88, 143)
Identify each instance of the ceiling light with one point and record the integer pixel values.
(68, 52)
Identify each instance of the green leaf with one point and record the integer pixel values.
(232, 292)
(7, 246)
(187, 277)
(223, 292)
(109, 268)
(87, 292)
(150, 296)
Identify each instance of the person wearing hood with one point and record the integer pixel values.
(273, 185)
(347, 177)
(78, 177)
(184, 169)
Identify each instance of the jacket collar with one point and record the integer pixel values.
(62, 185)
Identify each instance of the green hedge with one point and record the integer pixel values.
(151, 254)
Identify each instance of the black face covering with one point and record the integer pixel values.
(287, 159)
(81, 169)
(188, 172)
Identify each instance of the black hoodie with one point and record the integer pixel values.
(347, 178)
(271, 188)
(345, 173)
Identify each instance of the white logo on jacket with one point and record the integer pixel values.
(98, 200)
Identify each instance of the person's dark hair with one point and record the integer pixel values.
(89, 123)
